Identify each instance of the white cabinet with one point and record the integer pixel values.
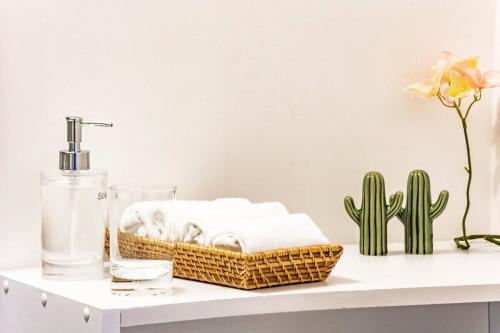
(450, 291)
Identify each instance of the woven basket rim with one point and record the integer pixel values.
(338, 249)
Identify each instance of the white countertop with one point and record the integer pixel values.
(447, 276)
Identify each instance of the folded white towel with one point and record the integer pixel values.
(166, 220)
(294, 230)
(201, 226)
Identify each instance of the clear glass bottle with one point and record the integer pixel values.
(73, 212)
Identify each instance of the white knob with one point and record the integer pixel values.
(86, 314)
(5, 286)
(43, 298)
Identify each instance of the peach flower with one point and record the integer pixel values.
(454, 78)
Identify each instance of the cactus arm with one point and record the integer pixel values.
(401, 214)
(440, 205)
(395, 202)
(351, 209)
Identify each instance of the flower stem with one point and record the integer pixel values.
(469, 181)
(487, 237)
(469, 172)
(495, 239)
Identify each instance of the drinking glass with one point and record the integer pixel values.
(134, 267)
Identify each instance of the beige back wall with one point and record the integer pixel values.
(273, 100)
(325, 106)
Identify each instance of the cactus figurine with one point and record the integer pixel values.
(374, 214)
(419, 213)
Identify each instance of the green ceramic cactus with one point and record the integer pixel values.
(419, 213)
(374, 214)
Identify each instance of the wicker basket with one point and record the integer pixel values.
(234, 269)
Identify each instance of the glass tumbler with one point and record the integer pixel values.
(136, 265)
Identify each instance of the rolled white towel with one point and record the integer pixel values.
(230, 202)
(158, 219)
(294, 230)
(202, 226)
(165, 220)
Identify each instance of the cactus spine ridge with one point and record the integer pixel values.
(419, 213)
(374, 214)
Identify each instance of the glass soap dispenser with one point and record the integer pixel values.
(74, 212)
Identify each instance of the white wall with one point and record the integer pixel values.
(495, 138)
(317, 102)
(273, 100)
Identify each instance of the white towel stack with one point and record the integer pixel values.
(266, 234)
(201, 226)
(230, 223)
(166, 220)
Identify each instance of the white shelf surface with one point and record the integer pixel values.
(448, 276)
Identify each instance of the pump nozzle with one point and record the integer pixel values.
(74, 158)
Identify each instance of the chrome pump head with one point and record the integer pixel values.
(74, 158)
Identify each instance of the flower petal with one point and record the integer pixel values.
(458, 87)
(473, 76)
(437, 75)
(420, 90)
(490, 79)
(470, 62)
(448, 57)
